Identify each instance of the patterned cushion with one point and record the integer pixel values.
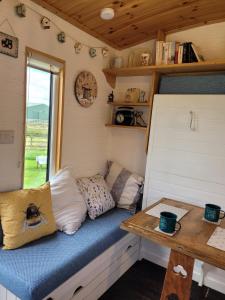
(124, 186)
(96, 195)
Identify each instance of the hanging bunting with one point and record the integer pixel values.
(61, 37)
(45, 23)
(92, 52)
(21, 10)
(105, 52)
(77, 47)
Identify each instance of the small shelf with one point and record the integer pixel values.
(206, 66)
(124, 126)
(117, 103)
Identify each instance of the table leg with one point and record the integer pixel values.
(178, 279)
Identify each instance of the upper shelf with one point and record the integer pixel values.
(206, 66)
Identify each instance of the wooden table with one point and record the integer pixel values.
(186, 245)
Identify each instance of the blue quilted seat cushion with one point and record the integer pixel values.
(34, 271)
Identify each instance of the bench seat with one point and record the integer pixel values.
(35, 270)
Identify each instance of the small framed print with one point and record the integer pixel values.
(9, 44)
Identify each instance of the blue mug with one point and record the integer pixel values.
(213, 213)
(168, 222)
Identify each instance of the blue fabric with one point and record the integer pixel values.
(35, 270)
(189, 84)
(1, 234)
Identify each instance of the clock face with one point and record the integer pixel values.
(120, 118)
(85, 88)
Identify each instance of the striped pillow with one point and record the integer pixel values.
(124, 186)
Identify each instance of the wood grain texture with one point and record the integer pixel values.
(191, 240)
(136, 21)
(175, 283)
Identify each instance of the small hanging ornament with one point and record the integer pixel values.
(92, 52)
(45, 23)
(77, 47)
(105, 52)
(21, 10)
(61, 37)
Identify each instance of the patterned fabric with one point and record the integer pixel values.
(96, 195)
(34, 271)
(124, 186)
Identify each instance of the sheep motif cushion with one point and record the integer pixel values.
(26, 215)
(96, 195)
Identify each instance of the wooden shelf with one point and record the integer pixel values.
(206, 66)
(117, 103)
(124, 126)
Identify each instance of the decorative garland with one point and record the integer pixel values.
(46, 23)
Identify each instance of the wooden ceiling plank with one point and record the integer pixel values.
(147, 12)
(74, 22)
(136, 20)
(179, 16)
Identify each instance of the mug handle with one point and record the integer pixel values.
(221, 217)
(179, 225)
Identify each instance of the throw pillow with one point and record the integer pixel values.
(68, 204)
(26, 215)
(124, 186)
(96, 195)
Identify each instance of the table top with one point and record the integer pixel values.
(190, 240)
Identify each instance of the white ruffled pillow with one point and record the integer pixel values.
(68, 205)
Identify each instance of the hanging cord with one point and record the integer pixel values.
(10, 26)
(58, 28)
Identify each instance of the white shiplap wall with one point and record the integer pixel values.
(185, 164)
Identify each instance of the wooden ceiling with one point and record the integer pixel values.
(136, 21)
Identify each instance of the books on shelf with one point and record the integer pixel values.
(176, 53)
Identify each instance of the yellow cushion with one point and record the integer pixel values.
(26, 215)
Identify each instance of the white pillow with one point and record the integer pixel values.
(68, 205)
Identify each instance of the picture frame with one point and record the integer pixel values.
(9, 45)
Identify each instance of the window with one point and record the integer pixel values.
(43, 118)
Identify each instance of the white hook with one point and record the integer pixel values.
(192, 125)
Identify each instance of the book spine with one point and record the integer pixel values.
(184, 58)
(171, 52)
(180, 53)
(192, 54)
(176, 53)
(166, 53)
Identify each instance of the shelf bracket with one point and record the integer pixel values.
(111, 79)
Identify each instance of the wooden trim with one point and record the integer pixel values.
(60, 108)
(117, 103)
(124, 126)
(58, 154)
(154, 90)
(177, 284)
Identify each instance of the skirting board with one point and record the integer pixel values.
(212, 278)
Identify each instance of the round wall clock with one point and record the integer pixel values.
(85, 88)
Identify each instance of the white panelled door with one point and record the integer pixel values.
(186, 158)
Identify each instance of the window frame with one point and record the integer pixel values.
(60, 108)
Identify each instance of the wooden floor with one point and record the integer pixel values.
(144, 280)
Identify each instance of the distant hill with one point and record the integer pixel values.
(38, 112)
